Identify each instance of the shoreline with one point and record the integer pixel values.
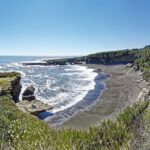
(88, 101)
(117, 88)
(122, 89)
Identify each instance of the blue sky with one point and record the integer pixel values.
(72, 27)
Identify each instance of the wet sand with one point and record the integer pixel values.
(121, 89)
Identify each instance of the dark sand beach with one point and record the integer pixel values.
(122, 89)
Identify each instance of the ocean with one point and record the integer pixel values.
(69, 88)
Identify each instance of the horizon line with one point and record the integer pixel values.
(40, 55)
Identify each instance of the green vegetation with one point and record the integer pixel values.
(144, 63)
(140, 57)
(9, 75)
(142, 135)
(21, 131)
(6, 78)
(120, 56)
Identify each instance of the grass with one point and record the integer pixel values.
(146, 117)
(8, 74)
(6, 78)
(22, 131)
(141, 140)
(5, 83)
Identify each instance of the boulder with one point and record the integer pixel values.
(135, 68)
(29, 98)
(33, 107)
(98, 70)
(143, 95)
(139, 81)
(129, 65)
(28, 94)
(29, 91)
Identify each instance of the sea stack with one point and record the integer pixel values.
(28, 94)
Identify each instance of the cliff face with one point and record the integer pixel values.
(108, 60)
(15, 88)
(113, 57)
(10, 85)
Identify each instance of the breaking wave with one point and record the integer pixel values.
(59, 86)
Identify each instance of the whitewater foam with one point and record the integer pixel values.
(82, 90)
(59, 86)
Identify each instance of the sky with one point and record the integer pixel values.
(72, 27)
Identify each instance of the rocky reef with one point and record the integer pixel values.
(33, 107)
(55, 62)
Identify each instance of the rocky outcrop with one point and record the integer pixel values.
(33, 107)
(29, 98)
(2, 92)
(98, 70)
(113, 57)
(29, 91)
(35, 64)
(10, 85)
(129, 65)
(63, 61)
(136, 68)
(15, 88)
(28, 94)
(29, 103)
(144, 95)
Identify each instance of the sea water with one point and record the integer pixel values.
(63, 87)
